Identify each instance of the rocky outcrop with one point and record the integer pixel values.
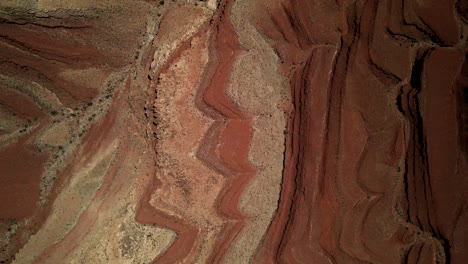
(375, 168)
(230, 131)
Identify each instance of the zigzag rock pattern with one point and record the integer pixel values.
(234, 131)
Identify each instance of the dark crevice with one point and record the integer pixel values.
(399, 103)
(417, 72)
(24, 23)
(401, 37)
(417, 177)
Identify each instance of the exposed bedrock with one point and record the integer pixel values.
(233, 131)
(375, 166)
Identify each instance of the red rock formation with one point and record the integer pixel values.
(233, 131)
(375, 171)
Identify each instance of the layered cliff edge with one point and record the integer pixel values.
(246, 131)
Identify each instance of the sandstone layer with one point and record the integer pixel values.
(234, 131)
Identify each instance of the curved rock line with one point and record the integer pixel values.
(329, 234)
(35, 63)
(226, 145)
(256, 131)
(146, 213)
(300, 71)
(87, 219)
(219, 149)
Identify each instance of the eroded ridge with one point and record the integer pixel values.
(201, 143)
(226, 145)
(365, 133)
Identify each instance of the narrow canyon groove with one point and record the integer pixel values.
(234, 131)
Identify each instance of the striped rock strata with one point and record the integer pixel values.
(247, 131)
